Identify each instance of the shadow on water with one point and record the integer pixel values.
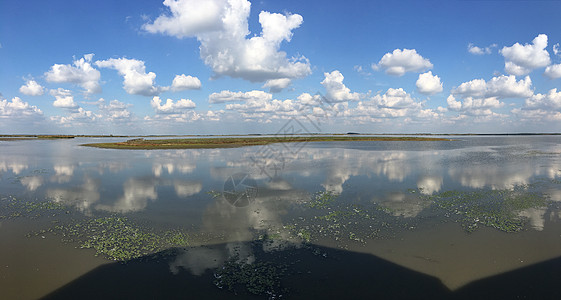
(312, 273)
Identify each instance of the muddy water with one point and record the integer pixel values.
(386, 199)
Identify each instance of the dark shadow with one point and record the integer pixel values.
(312, 273)
(538, 281)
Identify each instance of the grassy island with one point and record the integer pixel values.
(198, 143)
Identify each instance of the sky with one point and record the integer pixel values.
(239, 66)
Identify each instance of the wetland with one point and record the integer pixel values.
(255, 217)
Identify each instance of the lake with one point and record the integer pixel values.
(464, 218)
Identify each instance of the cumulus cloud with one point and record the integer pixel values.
(394, 103)
(394, 98)
(32, 88)
(182, 82)
(500, 86)
(336, 90)
(81, 73)
(429, 84)
(479, 97)
(551, 100)
(556, 50)
(17, 108)
(553, 71)
(222, 28)
(115, 110)
(136, 80)
(522, 59)
(401, 61)
(171, 107)
(257, 104)
(474, 106)
(76, 117)
(229, 96)
(479, 50)
(64, 99)
(277, 85)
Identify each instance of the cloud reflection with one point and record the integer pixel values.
(137, 193)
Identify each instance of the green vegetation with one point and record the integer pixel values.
(322, 199)
(113, 237)
(194, 143)
(12, 207)
(499, 209)
(117, 238)
(258, 278)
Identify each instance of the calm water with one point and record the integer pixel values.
(402, 203)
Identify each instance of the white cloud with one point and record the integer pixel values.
(182, 82)
(480, 51)
(277, 85)
(222, 27)
(556, 50)
(553, 71)
(189, 18)
(136, 80)
(229, 96)
(394, 103)
(32, 88)
(395, 98)
(76, 117)
(551, 100)
(521, 60)
(17, 108)
(64, 99)
(453, 104)
(401, 61)
(114, 111)
(429, 84)
(336, 90)
(256, 105)
(170, 107)
(474, 106)
(81, 73)
(501, 87)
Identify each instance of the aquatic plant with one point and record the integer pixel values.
(117, 238)
(12, 207)
(258, 278)
(493, 208)
(322, 199)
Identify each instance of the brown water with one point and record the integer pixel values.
(374, 198)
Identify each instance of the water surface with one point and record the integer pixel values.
(400, 202)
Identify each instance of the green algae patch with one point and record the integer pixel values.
(12, 207)
(258, 278)
(322, 199)
(201, 143)
(499, 209)
(118, 238)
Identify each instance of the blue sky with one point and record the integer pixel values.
(235, 66)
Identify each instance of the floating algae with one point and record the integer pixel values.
(499, 209)
(117, 238)
(322, 199)
(12, 207)
(114, 237)
(258, 278)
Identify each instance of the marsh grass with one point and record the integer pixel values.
(196, 143)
